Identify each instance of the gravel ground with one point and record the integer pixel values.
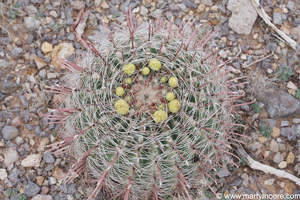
(34, 32)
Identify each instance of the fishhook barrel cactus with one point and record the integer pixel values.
(147, 111)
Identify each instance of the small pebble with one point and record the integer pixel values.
(282, 165)
(243, 57)
(296, 120)
(290, 158)
(255, 36)
(285, 123)
(269, 181)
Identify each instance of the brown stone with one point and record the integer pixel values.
(275, 133)
(47, 47)
(296, 31)
(262, 139)
(40, 63)
(290, 158)
(39, 180)
(63, 50)
(57, 173)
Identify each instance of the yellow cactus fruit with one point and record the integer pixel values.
(145, 71)
(129, 69)
(163, 79)
(155, 64)
(159, 116)
(174, 106)
(128, 81)
(173, 81)
(170, 96)
(120, 91)
(122, 107)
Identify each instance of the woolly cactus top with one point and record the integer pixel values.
(145, 95)
(148, 113)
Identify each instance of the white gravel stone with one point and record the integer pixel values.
(52, 180)
(31, 23)
(296, 120)
(51, 76)
(284, 123)
(10, 156)
(19, 140)
(282, 165)
(243, 57)
(53, 13)
(70, 197)
(3, 174)
(243, 16)
(255, 36)
(269, 181)
(42, 197)
(291, 85)
(32, 160)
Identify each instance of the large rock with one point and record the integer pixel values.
(42, 197)
(8, 87)
(243, 16)
(31, 189)
(3, 64)
(290, 132)
(9, 132)
(63, 50)
(277, 102)
(48, 157)
(3, 174)
(189, 3)
(290, 5)
(31, 23)
(16, 52)
(10, 156)
(277, 18)
(32, 160)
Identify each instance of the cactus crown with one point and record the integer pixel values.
(125, 133)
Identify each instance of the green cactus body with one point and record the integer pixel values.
(131, 155)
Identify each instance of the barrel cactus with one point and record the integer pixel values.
(147, 111)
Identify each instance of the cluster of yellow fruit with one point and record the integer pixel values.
(174, 105)
(154, 64)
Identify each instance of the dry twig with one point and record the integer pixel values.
(259, 60)
(265, 168)
(259, 9)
